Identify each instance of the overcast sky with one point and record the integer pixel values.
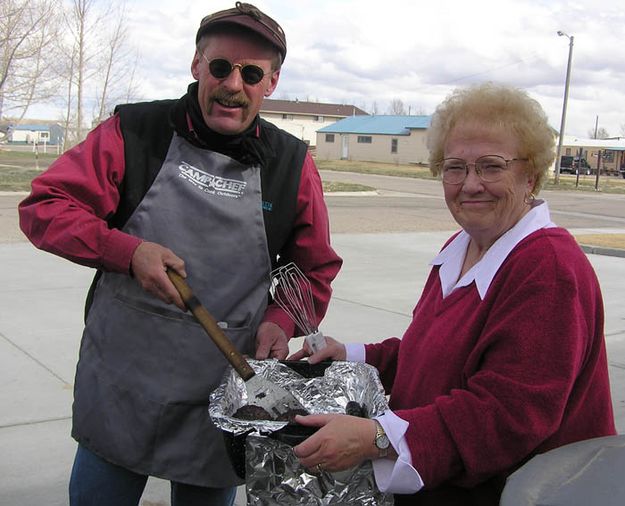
(363, 52)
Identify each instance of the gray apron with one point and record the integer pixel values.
(146, 369)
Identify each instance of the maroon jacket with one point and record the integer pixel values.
(487, 384)
(73, 208)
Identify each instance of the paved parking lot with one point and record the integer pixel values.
(41, 301)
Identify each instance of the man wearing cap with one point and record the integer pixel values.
(203, 186)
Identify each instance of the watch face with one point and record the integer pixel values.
(382, 441)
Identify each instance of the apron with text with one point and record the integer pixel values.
(146, 369)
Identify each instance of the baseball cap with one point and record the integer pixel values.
(251, 17)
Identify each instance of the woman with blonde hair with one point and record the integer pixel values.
(505, 356)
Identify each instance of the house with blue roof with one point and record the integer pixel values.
(40, 133)
(302, 119)
(383, 138)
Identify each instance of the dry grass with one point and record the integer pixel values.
(386, 169)
(337, 186)
(616, 241)
(607, 184)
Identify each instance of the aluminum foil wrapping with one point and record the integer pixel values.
(275, 477)
(273, 474)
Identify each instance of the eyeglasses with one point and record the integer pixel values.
(489, 168)
(221, 68)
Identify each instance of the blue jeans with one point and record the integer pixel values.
(96, 482)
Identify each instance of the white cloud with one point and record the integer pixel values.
(362, 51)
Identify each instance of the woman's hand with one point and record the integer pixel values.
(342, 442)
(332, 351)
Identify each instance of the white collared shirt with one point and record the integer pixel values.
(398, 476)
(452, 257)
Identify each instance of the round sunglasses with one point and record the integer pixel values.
(220, 68)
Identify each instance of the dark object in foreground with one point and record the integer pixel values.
(577, 474)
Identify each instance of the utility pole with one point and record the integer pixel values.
(566, 97)
(599, 154)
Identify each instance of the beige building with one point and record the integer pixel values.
(609, 154)
(387, 139)
(303, 119)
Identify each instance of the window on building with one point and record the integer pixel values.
(364, 139)
(288, 117)
(318, 118)
(567, 151)
(393, 145)
(329, 137)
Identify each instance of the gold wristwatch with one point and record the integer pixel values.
(381, 441)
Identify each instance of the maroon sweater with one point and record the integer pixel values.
(487, 384)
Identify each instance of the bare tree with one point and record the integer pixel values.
(397, 107)
(132, 86)
(27, 31)
(69, 140)
(599, 133)
(99, 64)
(80, 24)
(117, 68)
(42, 83)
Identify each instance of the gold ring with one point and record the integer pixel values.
(319, 468)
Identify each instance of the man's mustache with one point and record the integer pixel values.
(230, 99)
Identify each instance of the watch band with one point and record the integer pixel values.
(381, 441)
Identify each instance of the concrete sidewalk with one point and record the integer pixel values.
(41, 304)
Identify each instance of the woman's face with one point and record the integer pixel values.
(487, 210)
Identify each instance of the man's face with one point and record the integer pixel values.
(229, 105)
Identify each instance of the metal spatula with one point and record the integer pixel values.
(260, 392)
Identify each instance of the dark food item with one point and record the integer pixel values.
(252, 412)
(354, 408)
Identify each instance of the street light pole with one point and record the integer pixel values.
(566, 97)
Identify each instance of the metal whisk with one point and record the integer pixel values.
(293, 293)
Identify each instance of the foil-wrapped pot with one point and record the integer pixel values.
(262, 450)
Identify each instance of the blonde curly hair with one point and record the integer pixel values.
(497, 107)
